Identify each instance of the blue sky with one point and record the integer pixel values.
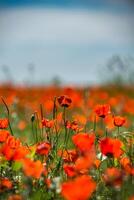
(73, 3)
(69, 39)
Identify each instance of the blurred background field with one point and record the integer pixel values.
(67, 91)
(82, 48)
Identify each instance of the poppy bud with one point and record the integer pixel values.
(32, 117)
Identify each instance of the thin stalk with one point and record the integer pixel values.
(8, 115)
(41, 115)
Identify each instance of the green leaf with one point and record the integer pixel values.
(16, 166)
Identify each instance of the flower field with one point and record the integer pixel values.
(66, 143)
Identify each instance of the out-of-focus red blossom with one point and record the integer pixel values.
(68, 155)
(69, 170)
(45, 170)
(102, 110)
(85, 161)
(15, 197)
(3, 135)
(22, 125)
(111, 147)
(109, 121)
(20, 153)
(14, 153)
(81, 188)
(73, 126)
(131, 198)
(64, 101)
(113, 176)
(81, 119)
(13, 150)
(48, 182)
(59, 117)
(32, 168)
(127, 166)
(125, 161)
(119, 121)
(3, 123)
(47, 123)
(5, 183)
(43, 148)
(84, 141)
(13, 142)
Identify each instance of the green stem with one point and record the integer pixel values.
(8, 115)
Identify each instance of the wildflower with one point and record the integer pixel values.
(15, 197)
(131, 198)
(109, 121)
(22, 125)
(3, 123)
(3, 135)
(83, 164)
(111, 147)
(47, 123)
(20, 153)
(13, 142)
(119, 121)
(113, 176)
(17, 153)
(68, 155)
(69, 170)
(64, 101)
(81, 188)
(126, 164)
(32, 168)
(81, 119)
(102, 110)
(43, 148)
(5, 183)
(83, 141)
(48, 182)
(73, 125)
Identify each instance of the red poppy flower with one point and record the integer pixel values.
(32, 168)
(43, 148)
(119, 121)
(131, 198)
(72, 125)
(20, 153)
(102, 110)
(68, 155)
(83, 141)
(15, 197)
(84, 163)
(13, 142)
(69, 170)
(5, 183)
(81, 188)
(3, 135)
(47, 123)
(113, 176)
(64, 101)
(111, 147)
(14, 153)
(3, 123)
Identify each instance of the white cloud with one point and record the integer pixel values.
(27, 25)
(59, 40)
